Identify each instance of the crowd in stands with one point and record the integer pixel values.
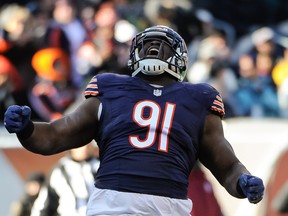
(49, 50)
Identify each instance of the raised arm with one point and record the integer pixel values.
(217, 155)
(71, 131)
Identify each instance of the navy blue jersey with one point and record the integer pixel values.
(148, 136)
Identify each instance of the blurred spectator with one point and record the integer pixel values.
(256, 97)
(108, 49)
(210, 49)
(52, 92)
(105, 19)
(86, 16)
(15, 20)
(96, 55)
(23, 206)
(18, 47)
(264, 64)
(280, 70)
(11, 85)
(264, 43)
(280, 78)
(200, 191)
(66, 24)
(69, 185)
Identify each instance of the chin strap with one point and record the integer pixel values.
(174, 74)
(136, 72)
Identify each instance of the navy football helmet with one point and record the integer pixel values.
(156, 50)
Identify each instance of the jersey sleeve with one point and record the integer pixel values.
(217, 106)
(92, 88)
(211, 98)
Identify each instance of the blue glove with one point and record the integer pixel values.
(17, 118)
(252, 187)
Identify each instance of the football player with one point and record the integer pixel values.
(150, 128)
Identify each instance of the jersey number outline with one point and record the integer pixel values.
(152, 123)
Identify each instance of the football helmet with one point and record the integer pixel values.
(156, 50)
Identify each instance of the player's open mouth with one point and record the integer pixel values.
(153, 51)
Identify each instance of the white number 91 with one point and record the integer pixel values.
(152, 123)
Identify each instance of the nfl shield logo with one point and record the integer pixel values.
(157, 92)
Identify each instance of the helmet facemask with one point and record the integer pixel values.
(158, 50)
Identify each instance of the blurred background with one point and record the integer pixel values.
(50, 49)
